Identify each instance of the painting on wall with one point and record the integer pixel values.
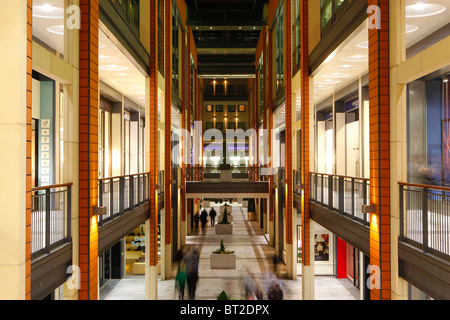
(321, 247)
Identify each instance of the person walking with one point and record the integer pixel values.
(203, 219)
(196, 220)
(180, 281)
(212, 215)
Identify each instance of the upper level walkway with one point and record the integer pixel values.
(252, 253)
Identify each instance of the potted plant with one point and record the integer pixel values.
(251, 210)
(223, 258)
(224, 226)
(224, 209)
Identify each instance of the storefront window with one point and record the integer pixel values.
(135, 252)
(429, 130)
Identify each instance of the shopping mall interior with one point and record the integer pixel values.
(254, 149)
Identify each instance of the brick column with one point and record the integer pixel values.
(167, 128)
(269, 132)
(304, 152)
(88, 170)
(152, 120)
(184, 116)
(380, 154)
(288, 110)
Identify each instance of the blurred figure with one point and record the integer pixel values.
(212, 215)
(196, 220)
(180, 280)
(204, 219)
(192, 277)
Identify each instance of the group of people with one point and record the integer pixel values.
(203, 218)
(187, 273)
(254, 290)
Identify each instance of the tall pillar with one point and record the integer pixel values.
(15, 145)
(271, 224)
(307, 227)
(183, 137)
(151, 118)
(398, 148)
(88, 156)
(290, 257)
(380, 283)
(167, 144)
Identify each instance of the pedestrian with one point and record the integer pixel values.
(196, 220)
(192, 279)
(180, 281)
(203, 219)
(212, 215)
(275, 292)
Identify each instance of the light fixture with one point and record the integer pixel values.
(355, 58)
(346, 67)
(47, 11)
(336, 75)
(409, 28)
(113, 67)
(421, 10)
(364, 45)
(327, 81)
(107, 59)
(59, 29)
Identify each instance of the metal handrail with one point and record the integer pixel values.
(50, 218)
(425, 218)
(344, 194)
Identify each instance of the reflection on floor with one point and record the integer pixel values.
(253, 254)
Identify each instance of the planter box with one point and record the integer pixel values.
(223, 228)
(223, 261)
(226, 175)
(220, 217)
(252, 216)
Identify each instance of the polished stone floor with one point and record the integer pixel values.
(253, 257)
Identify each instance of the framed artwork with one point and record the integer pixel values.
(231, 88)
(209, 125)
(242, 88)
(322, 247)
(219, 89)
(209, 108)
(219, 108)
(209, 88)
(45, 123)
(231, 108)
(242, 108)
(231, 125)
(241, 125)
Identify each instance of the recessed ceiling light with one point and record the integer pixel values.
(346, 67)
(364, 45)
(355, 58)
(109, 59)
(59, 29)
(327, 81)
(47, 11)
(409, 28)
(113, 67)
(336, 75)
(101, 45)
(420, 10)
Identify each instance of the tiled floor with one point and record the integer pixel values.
(253, 254)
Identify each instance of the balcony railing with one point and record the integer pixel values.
(425, 218)
(121, 194)
(346, 195)
(50, 218)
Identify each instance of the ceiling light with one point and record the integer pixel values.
(103, 58)
(409, 28)
(336, 75)
(346, 67)
(59, 29)
(47, 11)
(355, 58)
(113, 67)
(101, 45)
(327, 81)
(420, 10)
(364, 45)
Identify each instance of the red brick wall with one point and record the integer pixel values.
(88, 156)
(153, 164)
(167, 136)
(288, 110)
(304, 155)
(379, 150)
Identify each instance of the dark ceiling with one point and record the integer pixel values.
(226, 33)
